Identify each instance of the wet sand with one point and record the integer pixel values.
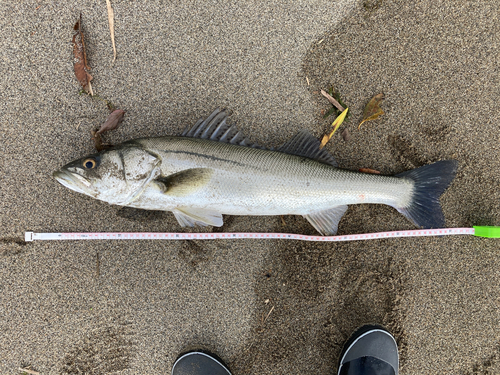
(132, 307)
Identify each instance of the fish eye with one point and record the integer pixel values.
(89, 163)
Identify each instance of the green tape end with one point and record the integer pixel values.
(488, 232)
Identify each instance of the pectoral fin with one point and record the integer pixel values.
(189, 217)
(186, 182)
(327, 222)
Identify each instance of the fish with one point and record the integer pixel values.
(212, 169)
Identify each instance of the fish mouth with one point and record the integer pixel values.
(73, 181)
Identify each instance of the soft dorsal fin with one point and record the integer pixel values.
(216, 128)
(306, 145)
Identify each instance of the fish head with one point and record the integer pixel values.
(117, 176)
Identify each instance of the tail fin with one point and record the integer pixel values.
(430, 182)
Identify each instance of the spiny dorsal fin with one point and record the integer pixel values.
(306, 145)
(216, 128)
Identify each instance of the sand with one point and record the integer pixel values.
(133, 307)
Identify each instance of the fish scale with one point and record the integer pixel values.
(274, 182)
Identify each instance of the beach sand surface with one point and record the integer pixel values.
(264, 306)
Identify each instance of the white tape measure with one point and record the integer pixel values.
(31, 236)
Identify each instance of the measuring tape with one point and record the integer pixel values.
(481, 231)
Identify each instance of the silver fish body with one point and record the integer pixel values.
(250, 181)
(201, 176)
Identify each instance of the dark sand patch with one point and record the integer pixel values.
(437, 295)
(319, 295)
(106, 349)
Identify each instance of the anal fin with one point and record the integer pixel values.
(327, 221)
(189, 217)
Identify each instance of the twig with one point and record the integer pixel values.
(332, 100)
(29, 371)
(269, 313)
(98, 265)
(111, 22)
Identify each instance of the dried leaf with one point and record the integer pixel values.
(368, 170)
(372, 109)
(80, 59)
(114, 120)
(338, 121)
(332, 100)
(97, 141)
(99, 145)
(111, 21)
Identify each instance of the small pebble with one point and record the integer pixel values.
(346, 135)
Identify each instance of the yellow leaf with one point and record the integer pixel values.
(324, 141)
(372, 109)
(335, 125)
